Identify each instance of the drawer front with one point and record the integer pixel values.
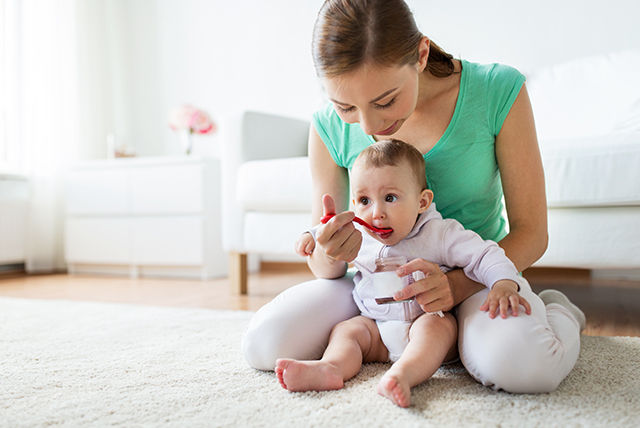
(98, 240)
(174, 189)
(97, 192)
(168, 241)
(13, 228)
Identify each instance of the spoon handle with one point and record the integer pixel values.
(358, 220)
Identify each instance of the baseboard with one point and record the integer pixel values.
(12, 268)
(623, 274)
(142, 271)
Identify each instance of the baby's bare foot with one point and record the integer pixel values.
(297, 375)
(392, 387)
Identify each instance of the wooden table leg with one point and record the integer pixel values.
(238, 273)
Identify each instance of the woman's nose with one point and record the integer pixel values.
(368, 124)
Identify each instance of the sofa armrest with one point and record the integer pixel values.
(248, 136)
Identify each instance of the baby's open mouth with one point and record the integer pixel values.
(358, 220)
(384, 235)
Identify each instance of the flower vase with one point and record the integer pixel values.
(186, 141)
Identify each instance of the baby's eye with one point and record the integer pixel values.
(390, 198)
(364, 200)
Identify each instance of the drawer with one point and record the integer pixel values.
(168, 240)
(97, 192)
(167, 189)
(98, 240)
(13, 228)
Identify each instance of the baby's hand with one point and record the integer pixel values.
(504, 294)
(305, 245)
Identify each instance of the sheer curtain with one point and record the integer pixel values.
(40, 113)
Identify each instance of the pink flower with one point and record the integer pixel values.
(192, 119)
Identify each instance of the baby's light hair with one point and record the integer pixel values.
(392, 152)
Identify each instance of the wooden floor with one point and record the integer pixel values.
(612, 307)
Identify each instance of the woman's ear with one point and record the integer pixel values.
(423, 53)
(426, 197)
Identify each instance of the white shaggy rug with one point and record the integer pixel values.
(90, 364)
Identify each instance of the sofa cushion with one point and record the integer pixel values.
(275, 185)
(591, 172)
(275, 233)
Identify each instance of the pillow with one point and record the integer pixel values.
(586, 96)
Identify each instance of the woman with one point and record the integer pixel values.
(474, 125)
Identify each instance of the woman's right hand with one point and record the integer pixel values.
(338, 238)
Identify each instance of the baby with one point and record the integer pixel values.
(389, 190)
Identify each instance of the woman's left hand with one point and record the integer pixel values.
(433, 293)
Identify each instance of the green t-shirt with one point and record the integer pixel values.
(461, 168)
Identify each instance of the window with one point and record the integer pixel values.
(10, 152)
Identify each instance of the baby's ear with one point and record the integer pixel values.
(426, 197)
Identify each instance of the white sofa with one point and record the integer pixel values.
(587, 115)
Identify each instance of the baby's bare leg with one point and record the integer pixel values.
(432, 340)
(351, 342)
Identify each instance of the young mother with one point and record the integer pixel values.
(474, 125)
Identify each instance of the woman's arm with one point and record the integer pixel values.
(522, 177)
(524, 192)
(338, 241)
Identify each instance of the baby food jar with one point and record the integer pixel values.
(385, 280)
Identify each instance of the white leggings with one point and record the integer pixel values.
(523, 354)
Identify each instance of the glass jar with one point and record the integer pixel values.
(385, 280)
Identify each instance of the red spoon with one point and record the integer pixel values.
(358, 220)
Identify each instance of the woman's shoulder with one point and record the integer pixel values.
(494, 87)
(492, 74)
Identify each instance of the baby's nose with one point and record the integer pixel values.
(378, 213)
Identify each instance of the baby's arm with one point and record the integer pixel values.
(485, 262)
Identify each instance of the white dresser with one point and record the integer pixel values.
(145, 216)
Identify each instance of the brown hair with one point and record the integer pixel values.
(349, 32)
(391, 153)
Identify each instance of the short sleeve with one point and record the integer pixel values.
(503, 86)
(326, 122)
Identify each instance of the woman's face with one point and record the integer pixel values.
(379, 98)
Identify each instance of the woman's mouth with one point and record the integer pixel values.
(390, 130)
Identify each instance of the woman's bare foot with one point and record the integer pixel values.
(297, 375)
(392, 387)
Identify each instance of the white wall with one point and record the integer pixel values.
(254, 54)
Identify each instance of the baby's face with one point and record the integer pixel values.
(387, 196)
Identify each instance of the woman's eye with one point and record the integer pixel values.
(390, 198)
(345, 110)
(387, 105)
(364, 201)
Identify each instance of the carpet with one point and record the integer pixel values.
(96, 364)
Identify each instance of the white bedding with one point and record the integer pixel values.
(592, 171)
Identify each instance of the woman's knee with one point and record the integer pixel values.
(296, 324)
(509, 354)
